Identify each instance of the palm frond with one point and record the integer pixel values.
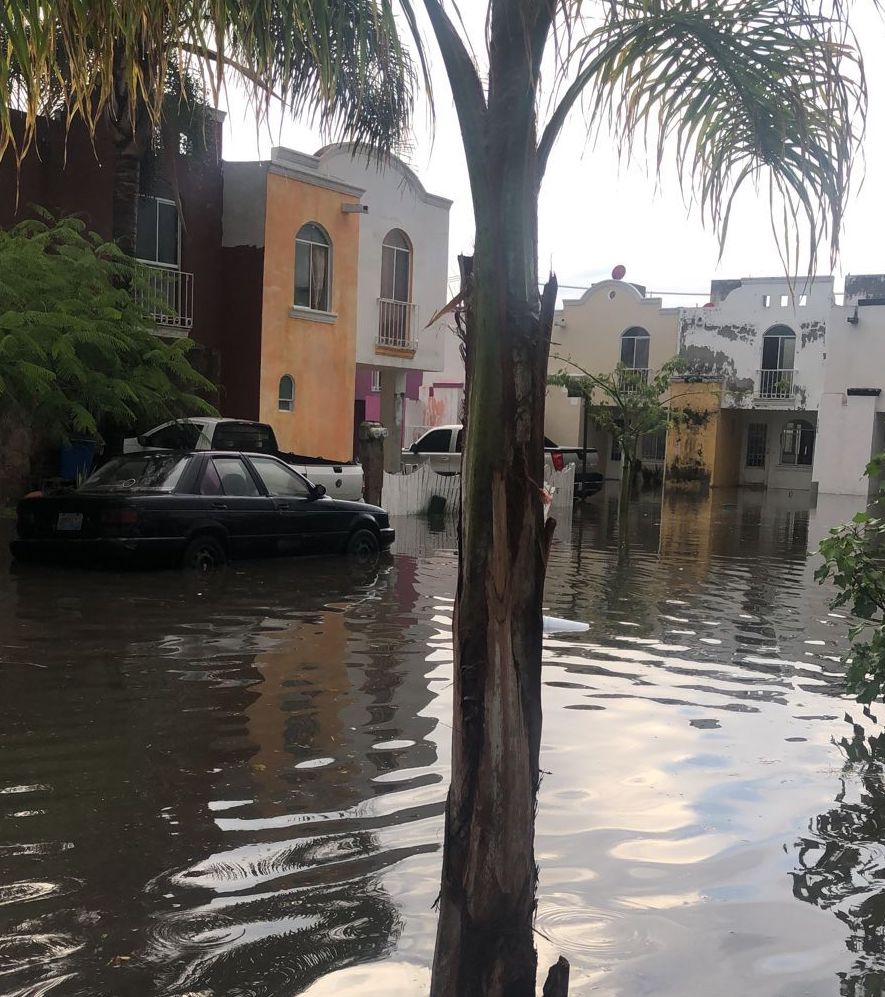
(764, 92)
(339, 63)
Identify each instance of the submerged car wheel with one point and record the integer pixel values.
(204, 554)
(363, 546)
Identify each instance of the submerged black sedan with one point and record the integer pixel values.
(197, 510)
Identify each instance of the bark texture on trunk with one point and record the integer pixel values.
(131, 130)
(485, 945)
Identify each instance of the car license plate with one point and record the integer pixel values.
(69, 522)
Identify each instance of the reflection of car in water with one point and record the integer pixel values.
(197, 509)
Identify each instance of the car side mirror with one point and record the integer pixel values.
(414, 448)
(318, 491)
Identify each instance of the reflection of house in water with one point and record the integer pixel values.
(298, 886)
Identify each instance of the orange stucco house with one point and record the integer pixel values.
(291, 254)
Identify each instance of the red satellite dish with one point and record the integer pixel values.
(619, 272)
(709, 304)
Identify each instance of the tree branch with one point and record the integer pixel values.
(467, 91)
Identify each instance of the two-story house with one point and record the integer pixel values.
(333, 265)
(179, 216)
(612, 323)
(765, 339)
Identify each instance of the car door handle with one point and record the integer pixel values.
(219, 505)
(284, 505)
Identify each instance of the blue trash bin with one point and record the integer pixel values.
(76, 459)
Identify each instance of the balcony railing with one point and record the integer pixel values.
(776, 384)
(633, 379)
(169, 296)
(397, 325)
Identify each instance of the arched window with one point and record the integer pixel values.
(634, 348)
(286, 402)
(778, 358)
(634, 356)
(313, 268)
(396, 266)
(797, 443)
(394, 306)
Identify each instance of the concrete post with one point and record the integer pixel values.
(393, 392)
(371, 440)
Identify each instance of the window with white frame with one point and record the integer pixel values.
(396, 266)
(797, 443)
(158, 236)
(286, 399)
(313, 268)
(376, 380)
(634, 348)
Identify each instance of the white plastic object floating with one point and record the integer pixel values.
(555, 625)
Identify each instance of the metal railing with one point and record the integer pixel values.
(633, 379)
(776, 384)
(169, 296)
(397, 324)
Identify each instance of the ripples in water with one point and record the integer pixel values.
(238, 788)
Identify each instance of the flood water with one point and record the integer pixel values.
(236, 788)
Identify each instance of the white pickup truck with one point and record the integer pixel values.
(440, 448)
(341, 479)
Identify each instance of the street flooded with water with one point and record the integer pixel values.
(234, 787)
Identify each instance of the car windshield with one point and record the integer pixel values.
(141, 472)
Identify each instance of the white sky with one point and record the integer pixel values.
(595, 213)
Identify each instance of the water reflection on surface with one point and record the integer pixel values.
(236, 788)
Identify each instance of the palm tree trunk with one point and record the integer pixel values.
(485, 945)
(127, 182)
(131, 133)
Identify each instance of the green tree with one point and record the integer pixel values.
(628, 404)
(76, 345)
(854, 560)
(746, 92)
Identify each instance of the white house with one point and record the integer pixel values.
(852, 408)
(766, 338)
(402, 281)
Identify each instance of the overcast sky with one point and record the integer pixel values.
(595, 214)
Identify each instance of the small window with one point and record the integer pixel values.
(210, 483)
(244, 437)
(766, 301)
(235, 477)
(797, 443)
(757, 439)
(157, 235)
(279, 479)
(653, 446)
(178, 436)
(785, 300)
(436, 441)
(803, 300)
(286, 401)
(313, 262)
(634, 348)
(376, 380)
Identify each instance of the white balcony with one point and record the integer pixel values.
(633, 379)
(397, 325)
(169, 296)
(775, 384)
